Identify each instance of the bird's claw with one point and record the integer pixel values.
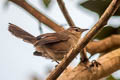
(94, 63)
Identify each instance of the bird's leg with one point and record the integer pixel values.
(57, 62)
(83, 55)
(84, 59)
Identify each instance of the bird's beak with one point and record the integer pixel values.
(82, 30)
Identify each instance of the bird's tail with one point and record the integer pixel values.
(20, 33)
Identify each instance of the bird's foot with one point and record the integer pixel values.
(84, 60)
(56, 62)
(94, 63)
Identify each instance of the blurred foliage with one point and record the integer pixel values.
(107, 31)
(6, 4)
(110, 78)
(46, 3)
(35, 77)
(98, 6)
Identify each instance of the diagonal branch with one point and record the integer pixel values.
(65, 13)
(110, 63)
(38, 15)
(82, 43)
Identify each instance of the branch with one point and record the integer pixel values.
(109, 44)
(65, 13)
(38, 15)
(110, 63)
(82, 43)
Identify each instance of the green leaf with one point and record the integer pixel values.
(46, 2)
(98, 6)
(106, 32)
(111, 78)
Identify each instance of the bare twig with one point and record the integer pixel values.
(82, 43)
(38, 15)
(65, 13)
(109, 44)
(110, 63)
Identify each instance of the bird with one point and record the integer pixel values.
(50, 45)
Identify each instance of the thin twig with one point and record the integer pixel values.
(82, 43)
(38, 15)
(65, 13)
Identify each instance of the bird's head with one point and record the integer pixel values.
(76, 31)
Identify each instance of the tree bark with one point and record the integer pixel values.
(103, 46)
(110, 63)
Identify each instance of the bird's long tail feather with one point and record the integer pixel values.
(20, 33)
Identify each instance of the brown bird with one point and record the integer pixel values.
(50, 45)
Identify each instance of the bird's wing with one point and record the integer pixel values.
(52, 38)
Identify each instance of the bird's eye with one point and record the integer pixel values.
(77, 30)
